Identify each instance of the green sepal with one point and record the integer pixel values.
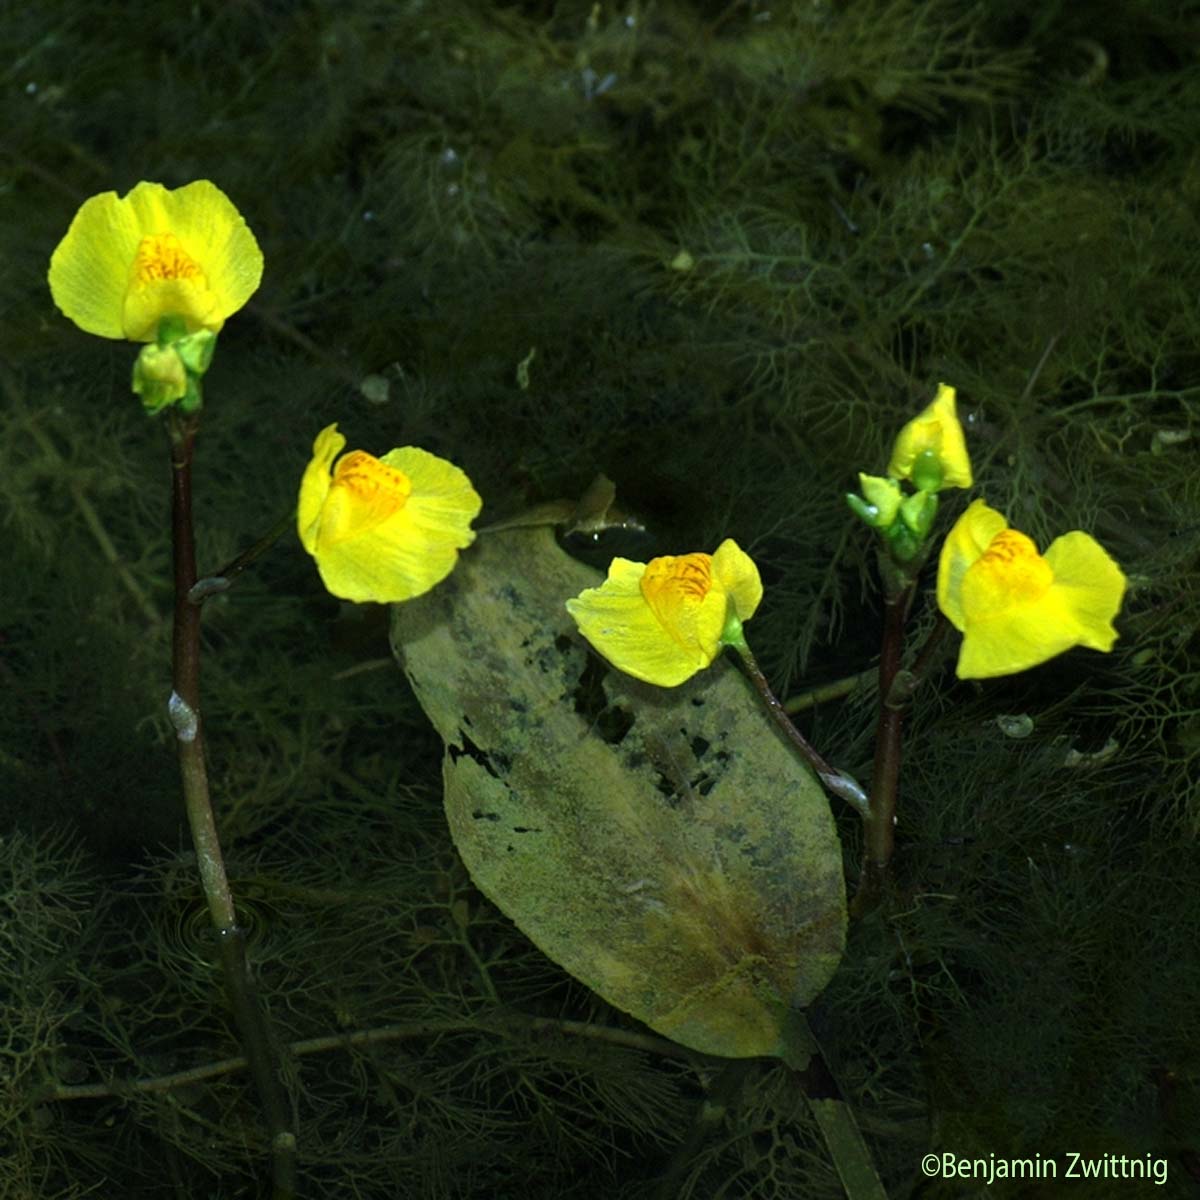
(169, 369)
(193, 398)
(881, 497)
(732, 634)
(170, 330)
(196, 350)
(868, 514)
(918, 512)
(927, 471)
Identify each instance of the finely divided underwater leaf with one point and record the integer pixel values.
(662, 845)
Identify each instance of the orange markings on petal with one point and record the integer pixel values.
(383, 529)
(1009, 545)
(369, 477)
(1014, 568)
(378, 490)
(160, 256)
(1017, 608)
(674, 581)
(664, 620)
(363, 493)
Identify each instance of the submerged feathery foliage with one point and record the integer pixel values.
(730, 241)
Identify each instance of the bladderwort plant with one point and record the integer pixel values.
(779, 240)
(167, 268)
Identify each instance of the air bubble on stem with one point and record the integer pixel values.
(183, 717)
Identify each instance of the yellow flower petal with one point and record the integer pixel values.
(1017, 608)
(964, 544)
(938, 431)
(441, 493)
(89, 269)
(619, 623)
(662, 621)
(738, 575)
(384, 529)
(679, 592)
(1091, 585)
(126, 262)
(314, 487)
(1008, 576)
(364, 495)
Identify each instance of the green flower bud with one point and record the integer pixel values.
(903, 544)
(927, 472)
(883, 495)
(918, 511)
(159, 377)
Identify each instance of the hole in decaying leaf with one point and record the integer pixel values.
(548, 658)
(723, 758)
(610, 721)
(614, 723)
(496, 765)
(480, 815)
(667, 788)
(590, 700)
(672, 772)
(699, 746)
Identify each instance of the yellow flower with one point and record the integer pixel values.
(931, 448)
(387, 528)
(126, 262)
(1017, 608)
(664, 620)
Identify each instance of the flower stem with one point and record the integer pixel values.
(836, 781)
(184, 710)
(835, 690)
(223, 580)
(879, 832)
(895, 692)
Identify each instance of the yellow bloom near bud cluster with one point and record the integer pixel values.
(933, 440)
(1017, 608)
(388, 529)
(126, 262)
(663, 621)
(383, 529)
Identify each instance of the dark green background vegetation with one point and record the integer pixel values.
(872, 197)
